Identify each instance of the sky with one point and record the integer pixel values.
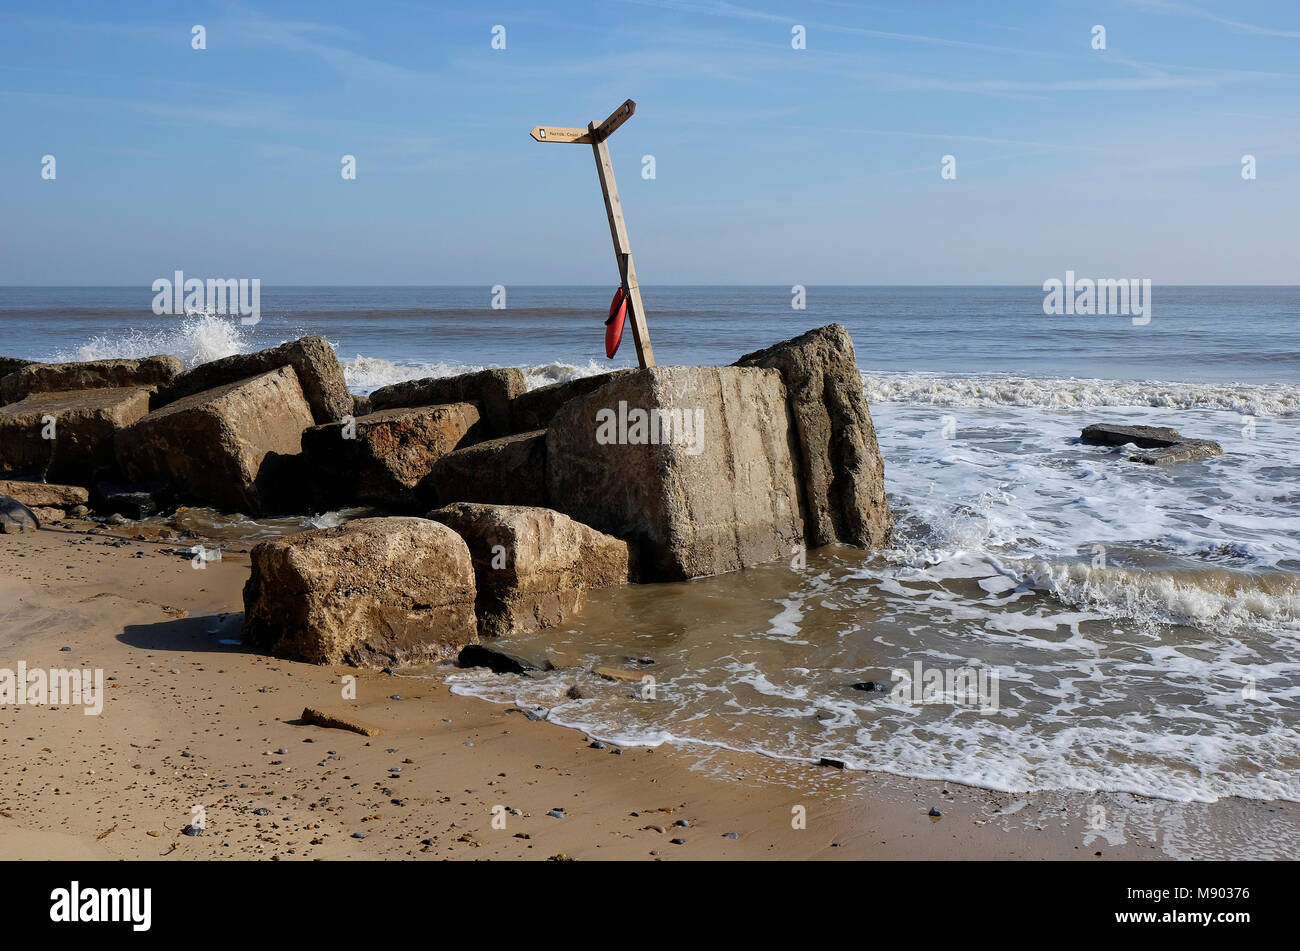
(772, 164)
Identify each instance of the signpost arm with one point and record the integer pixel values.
(622, 252)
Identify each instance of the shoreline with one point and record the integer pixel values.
(191, 721)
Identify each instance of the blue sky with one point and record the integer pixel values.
(773, 165)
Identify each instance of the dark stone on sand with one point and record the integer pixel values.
(16, 518)
(1157, 444)
(833, 763)
(934, 813)
(867, 686)
(498, 661)
(595, 745)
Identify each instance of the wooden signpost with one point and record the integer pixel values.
(596, 136)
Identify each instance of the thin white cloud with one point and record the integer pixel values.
(1186, 9)
(724, 9)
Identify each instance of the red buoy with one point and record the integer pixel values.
(614, 325)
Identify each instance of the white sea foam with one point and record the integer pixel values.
(1125, 608)
(1257, 399)
(197, 338)
(367, 374)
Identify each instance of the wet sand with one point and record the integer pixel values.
(192, 721)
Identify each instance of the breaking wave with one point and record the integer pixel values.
(198, 338)
(1256, 399)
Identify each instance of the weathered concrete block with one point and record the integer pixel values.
(1156, 444)
(841, 469)
(80, 426)
(532, 566)
(211, 445)
(319, 375)
(492, 390)
(371, 593)
(42, 494)
(147, 372)
(387, 457)
(536, 408)
(11, 364)
(506, 471)
(692, 464)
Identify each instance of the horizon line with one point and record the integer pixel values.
(603, 285)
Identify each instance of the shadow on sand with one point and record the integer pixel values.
(203, 634)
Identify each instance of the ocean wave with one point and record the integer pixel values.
(1218, 600)
(198, 338)
(365, 374)
(1255, 399)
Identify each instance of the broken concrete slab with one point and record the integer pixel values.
(1156, 445)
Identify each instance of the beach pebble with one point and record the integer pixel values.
(677, 841)
(358, 835)
(731, 835)
(66, 649)
(596, 745)
(935, 813)
(555, 813)
(192, 830)
(682, 823)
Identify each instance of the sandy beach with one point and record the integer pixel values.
(193, 719)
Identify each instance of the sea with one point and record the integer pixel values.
(1136, 629)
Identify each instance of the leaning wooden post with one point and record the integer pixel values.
(597, 136)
